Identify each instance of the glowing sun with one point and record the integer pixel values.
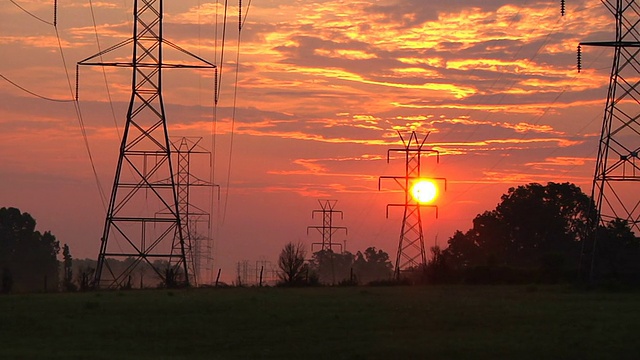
(424, 191)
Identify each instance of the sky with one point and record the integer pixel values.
(313, 95)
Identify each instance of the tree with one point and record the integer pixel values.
(67, 262)
(463, 250)
(291, 265)
(437, 270)
(332, 268)
(85, 269)
(28, 256)
(617, 251)
(372, 265)
(534, 228)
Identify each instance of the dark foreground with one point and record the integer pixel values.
(449, 322)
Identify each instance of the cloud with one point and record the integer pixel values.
(322, 89)
(46, 42)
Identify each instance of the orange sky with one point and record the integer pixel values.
(323, 87)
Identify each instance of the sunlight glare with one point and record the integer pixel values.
(424, 191)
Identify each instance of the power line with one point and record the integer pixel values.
(78, 112)
(234, 107)
(539, 118)
(104, 72)
(33, 93)
(246, 13)
(55, 5)
(83, 130)
(220, 66)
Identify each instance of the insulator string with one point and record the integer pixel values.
(77, 81)
(579, 58)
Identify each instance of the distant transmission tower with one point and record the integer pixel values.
(190, 214)
(143, 222)
(615, 189)
(411, 253)
(327, 229)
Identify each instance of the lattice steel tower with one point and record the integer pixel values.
(411, 251)
(327, 229)
(191, 214)
(614, 189)
(143, 222)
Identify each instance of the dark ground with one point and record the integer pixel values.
(434, 322)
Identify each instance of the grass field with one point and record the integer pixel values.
(437, 322)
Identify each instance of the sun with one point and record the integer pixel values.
(424, 191)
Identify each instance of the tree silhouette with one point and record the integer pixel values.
(534, 228)
(372, 265)
(438, 270)
(27, 255)
(618, 252)
(291, 264)
(332, 268)
(67, 262)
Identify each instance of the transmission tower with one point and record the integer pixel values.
(190, 214)
(143, 220)
(614, 188)
(411, 253)
(327, 229)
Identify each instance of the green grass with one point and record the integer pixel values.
(438, 322)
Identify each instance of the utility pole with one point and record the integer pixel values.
(617, 172)
(143, 220)
(411, 254)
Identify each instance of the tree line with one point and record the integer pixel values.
(29, 260)
(331, 268)
(536, 234)
(539, 233)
